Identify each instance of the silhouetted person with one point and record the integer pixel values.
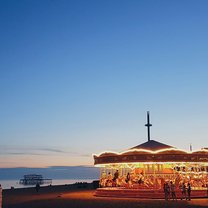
(189, 191)
(172, 188)
(115, 175)
(166, 189)
(183, 191)
(115, 178)
(127, 177)
(37, 187)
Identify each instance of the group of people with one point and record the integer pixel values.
(169, 191)
(137, 180)
(112, 180)
(185, 191)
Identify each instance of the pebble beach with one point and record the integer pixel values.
(65, 196)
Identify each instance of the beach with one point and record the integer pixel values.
(81, 196)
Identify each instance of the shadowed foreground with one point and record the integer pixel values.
(64, 197)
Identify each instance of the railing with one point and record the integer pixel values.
(35, 181)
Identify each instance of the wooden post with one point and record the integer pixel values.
(0, 196)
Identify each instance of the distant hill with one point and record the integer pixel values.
(54, 172)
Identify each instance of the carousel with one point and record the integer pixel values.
(142, 171)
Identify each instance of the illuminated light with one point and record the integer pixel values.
(168, 162)
(149, 151)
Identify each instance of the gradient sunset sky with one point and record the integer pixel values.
(77, 77)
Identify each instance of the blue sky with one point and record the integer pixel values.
(77, 77)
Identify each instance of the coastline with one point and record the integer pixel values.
(82, 195)
(7, 184)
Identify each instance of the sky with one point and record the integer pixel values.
(77, 78)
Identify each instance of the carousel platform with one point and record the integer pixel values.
(143, 193)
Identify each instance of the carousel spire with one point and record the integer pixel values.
(148, 125)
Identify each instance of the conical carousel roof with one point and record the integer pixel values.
(151, 151)
(152, 145)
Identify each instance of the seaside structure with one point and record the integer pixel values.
(33, 179)
(145, 168)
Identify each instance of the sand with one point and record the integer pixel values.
(68, 197)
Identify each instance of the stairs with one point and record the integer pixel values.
(143, 193)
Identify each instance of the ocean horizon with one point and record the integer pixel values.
(7, 184)
(54, 172)
(60, 175)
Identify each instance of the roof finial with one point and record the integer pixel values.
(148, 125)
(190, 147)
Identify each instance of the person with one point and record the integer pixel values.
(109, 179)
(37, 187)
(115, 175)
(172, 188)
(115, 178)
(166, 189)
(128, 177)
(183, 191)
(189, 191)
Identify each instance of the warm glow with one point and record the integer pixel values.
(149, 151)
(154, 163)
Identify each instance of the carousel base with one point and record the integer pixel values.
(143, 193)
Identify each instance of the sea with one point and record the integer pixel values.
(7, 184)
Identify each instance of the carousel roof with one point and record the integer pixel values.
(152, 145)
(151, 151)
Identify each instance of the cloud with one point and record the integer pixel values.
(85, 155)
(51, 150)
(28, 150)
(23, 153)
